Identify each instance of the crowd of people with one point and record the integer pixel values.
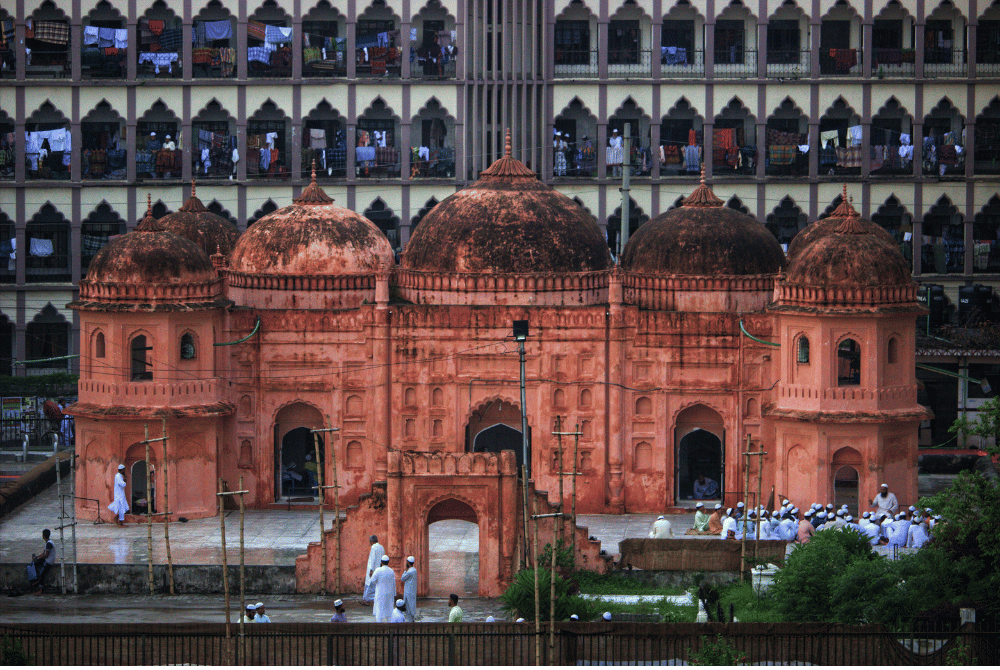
(886, 524)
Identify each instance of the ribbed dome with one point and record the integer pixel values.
(150, 255)
(703, 237)
(824, 227)
(507, 222)
(311, 237)
(211, 232)
(849, 255)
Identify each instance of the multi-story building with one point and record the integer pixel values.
(402, 102)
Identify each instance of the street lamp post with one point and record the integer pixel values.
(520, 335)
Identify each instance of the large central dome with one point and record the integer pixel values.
(508, 222)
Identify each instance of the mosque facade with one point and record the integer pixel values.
(703, 342)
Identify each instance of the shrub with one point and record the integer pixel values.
(12, 653)
(717, 652)
(519, 598)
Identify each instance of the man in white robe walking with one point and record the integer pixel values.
(398, 615)
(409, 580)
(119, 506)
(374, 555)
(384, 580)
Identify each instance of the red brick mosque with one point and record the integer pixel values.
(666, 361)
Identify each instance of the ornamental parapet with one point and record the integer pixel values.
(676, 292)
(435, 463)
(189, 292)
(276, 282)
(150, 393)
(805, 295)
(456, 288)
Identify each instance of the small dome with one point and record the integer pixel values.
(150, 254)
(824, 227)
(211, 232)
(703, 237)
(312, 236)
(507, 222)
(849, 255)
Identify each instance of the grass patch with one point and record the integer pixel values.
(619, 584)
(663, 608)
(749, 607)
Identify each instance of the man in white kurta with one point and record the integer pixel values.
(384, 580)
(409, 580)
(398, 616)
(661, 529)
(120, 505)
(885, 502)
(374, 556)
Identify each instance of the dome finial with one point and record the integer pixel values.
(703, 173)
(313, 194)
(702, 196)
(851, 225)
(193, 193)
(149, 204)
(507, 145)
(313, 171)
(148, 223)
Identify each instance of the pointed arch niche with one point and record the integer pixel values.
(49, 56)
(324, 42)
(987, 134)
(214, 129)
(839, 41)
(682, 42)
(889, 128)
(676, 129)
(787, 128)
(578, 126)
(324, 141)
(943, 250)
(986, 237)
(101, 225)
(101, 130)
(377, 143)
(734, 127)
(107, 58)
(45, 155)
(639, 121)
(946, 126)
(636, 218)
(213, 53)
(433, 133)
(786, 221)
(158, 51)
(434, 48)
(268, 143)
(155, 133)
(382, 216)
(838, 118)
(575, 41)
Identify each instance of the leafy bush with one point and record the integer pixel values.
(747, 604)
(717, 652)
(519, 598)
(803, 590)
(12, 653)
(564, 555)
(619, 583)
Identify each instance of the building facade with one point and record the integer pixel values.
(401, 103)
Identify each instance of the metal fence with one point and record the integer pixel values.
(492, 644)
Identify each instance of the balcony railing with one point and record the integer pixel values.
(841, 62)
(377, 162)
(378, 62)
(264, 63)
(680, 62)
(439, 70)
(47, 64)
(945, 63)
(893, 63)
(629, 63)
(788, 64)
(987, 63)
(576, 63)
(734, 64)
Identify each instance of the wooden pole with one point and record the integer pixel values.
(760, 477)
(225, 562)
(557, 523)
(576, 467)
(538, 605)
(561, 473)
(243, 578)
(166, 511)
(322, 494)
(72, 525)
(336, 510)
(746, 490)
(149, 517)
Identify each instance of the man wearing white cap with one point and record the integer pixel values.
(249, 615)
(739, 510)
(885, 501)
(409, 581)
(169, 144)
(715, 521)
(261, 614)
(806, 529)
(700, 518)
(398, 615)
(119, 506)
(384, 579)
(559, 148)
(728, 525)
(898, 531)
(339, 616)
(490, 619)
(661, 529)
(374, 556)
(788, 528)
(606, 616)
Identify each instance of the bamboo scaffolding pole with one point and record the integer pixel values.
(576, 468)
(62, 514)
(225, 562)
(166, 512)
(760, 478)
(243, 579)
(746, 490)
(336, 511)
(576, 453)
(322, 499)
(538, 605)
(149, 517)
(557, 522)
(72, 523)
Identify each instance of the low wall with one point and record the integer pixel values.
(32, 482)
(695, 555)
(133, 578)
(680, 578)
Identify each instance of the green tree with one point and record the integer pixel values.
(519, 598)
(985, 425)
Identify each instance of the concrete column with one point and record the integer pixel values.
(918, 48)
(918, 149)
(762, 48)
(404, 151)
(814, 149)
(602, 154)
(132, 59)
(404, 48)
(866, 41)
(761, 148)
(706, 153)
(866, 142)
(352, 49)
(187, 26)
(602, 48)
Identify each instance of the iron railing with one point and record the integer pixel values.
(841, 62)
(939, 63)
(571, 63)
(789, 64)
(601, 643)
(733, 63)
(626, 63)
(690, 63)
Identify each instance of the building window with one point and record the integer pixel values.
(47, 337)
(188, 350)
(848, 363)
(938, 41)
(142, 368)
(803, 350)
(893, 350)
(783, 41)
(623, 43)
(99, 345)
(729, 42)
(572, 43)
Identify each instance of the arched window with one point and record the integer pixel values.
(188, 350)
(803, 350)
(643, 406)
(643, 456)
(848, 363)
(893, 350)
(142, 368)
(559, 398)
(99, 345)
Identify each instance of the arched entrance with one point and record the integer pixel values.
(845, 466)
(495, 426)
(699, 451)
(296, 470)
(136, 489)
(453, 549)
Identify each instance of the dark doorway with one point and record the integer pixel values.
(845, 489)
(698, 453)
(299, 470)
(453, 549)
(499, 437)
